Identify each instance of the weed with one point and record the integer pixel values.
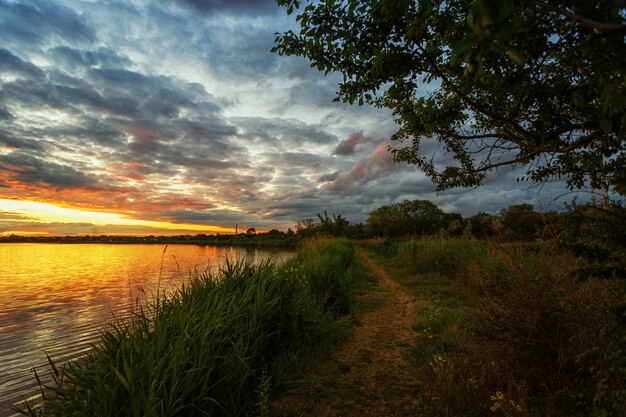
(512, 319)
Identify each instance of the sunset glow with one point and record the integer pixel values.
(45, 213)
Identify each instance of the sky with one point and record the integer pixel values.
(173, 117)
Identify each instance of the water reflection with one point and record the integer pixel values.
(54, 298)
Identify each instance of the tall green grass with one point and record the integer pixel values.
(205, 349)
(540, 337)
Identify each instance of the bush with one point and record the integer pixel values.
(552, 344)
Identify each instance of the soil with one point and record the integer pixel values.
(367, 375)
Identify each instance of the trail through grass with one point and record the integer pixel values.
(368, 374)
(454, 327)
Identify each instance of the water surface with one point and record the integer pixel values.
(55, 297)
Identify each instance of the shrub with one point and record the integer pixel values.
(549, 342)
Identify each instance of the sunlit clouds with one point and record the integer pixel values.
(174, 116)
(33, 214)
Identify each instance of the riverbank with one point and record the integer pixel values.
(210, 346)
(278, 240)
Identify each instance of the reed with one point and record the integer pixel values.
(205, 348)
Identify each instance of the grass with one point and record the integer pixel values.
(500, 330)
(342, 384)
(214, 346)
(509, 330)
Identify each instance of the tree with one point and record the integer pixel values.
(596, 236)
(493, 82)
(520, 222)
(305, 227)
(385, 221)
(424, 217)
(481, 225)
(337, 226)
(408, 217)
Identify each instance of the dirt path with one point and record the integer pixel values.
(367, 375)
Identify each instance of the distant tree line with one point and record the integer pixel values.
(595, 234)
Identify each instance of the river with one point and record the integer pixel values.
(55, 297)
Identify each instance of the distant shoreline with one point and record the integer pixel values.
(265, 240)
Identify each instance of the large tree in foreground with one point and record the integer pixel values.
(534, 83)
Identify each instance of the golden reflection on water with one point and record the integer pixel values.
(55, 297)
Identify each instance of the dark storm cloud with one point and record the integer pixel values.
(329, 177)
(298, 159)
(303, 204)
(245, 7)
(204, 216)
(32, 23)
(348, 145)
(311, 202)
(285, 132)
(5, 114)
(207, 128)
(30, 94)
(31, 170)
(312, 90)
(12, 141)
(72, 58)
(12, 64)
(242, 53)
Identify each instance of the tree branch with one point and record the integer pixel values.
(593, 24)
(437, 72)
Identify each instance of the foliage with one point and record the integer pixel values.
(520, 222)
(597, 238)
(493, 82)
(408, 217)
(306, 227)
(326, 266)
(337, 226)
(205, 348)
(481, 225)
(539, 337)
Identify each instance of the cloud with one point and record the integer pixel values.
(26, 169)
(287, 132)
(245, 7)
(348, 145)
(11, 64)
(329, 177)
(31, 23)
(177, 110)
(5, 114)
(7, 215)
(379, 163)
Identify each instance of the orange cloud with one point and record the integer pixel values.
(47, 213)
(141, 132)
